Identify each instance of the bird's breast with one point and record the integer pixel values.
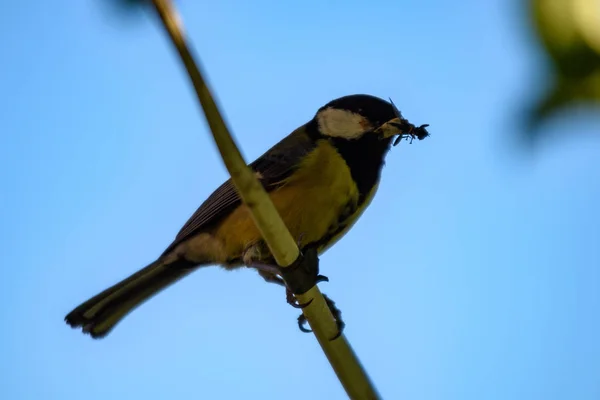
(312, 202)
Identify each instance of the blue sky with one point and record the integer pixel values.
(474, 274)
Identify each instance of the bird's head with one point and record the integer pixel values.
(352, 117)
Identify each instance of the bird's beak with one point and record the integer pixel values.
(392, 128)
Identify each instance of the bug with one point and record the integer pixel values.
(410, 131)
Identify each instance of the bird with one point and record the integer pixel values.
(320, 178)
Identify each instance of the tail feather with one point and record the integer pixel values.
(99, 315)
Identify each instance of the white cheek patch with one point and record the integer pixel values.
(341, 123)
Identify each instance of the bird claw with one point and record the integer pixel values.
(301, 322)
(291, 300)
(304, 274)
(337, 314)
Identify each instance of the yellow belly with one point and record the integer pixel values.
(310, 202)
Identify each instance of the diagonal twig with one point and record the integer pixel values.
(283, 247)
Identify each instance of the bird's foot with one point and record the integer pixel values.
(271, 274)
(304, 274)
(297, 278)
(291, 299)
(268, 276)
(337, 314)
(301, 275)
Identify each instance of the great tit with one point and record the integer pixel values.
(321, 177)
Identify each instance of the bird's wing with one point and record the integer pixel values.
(272, 168)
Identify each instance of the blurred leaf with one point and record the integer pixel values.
(127, 5)
(569, 30)
(124, 10)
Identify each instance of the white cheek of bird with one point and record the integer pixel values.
(345, 124)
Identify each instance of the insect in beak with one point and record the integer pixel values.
(408, 130)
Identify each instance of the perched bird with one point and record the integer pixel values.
(320, 178)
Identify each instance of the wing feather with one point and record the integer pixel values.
(272, 167)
